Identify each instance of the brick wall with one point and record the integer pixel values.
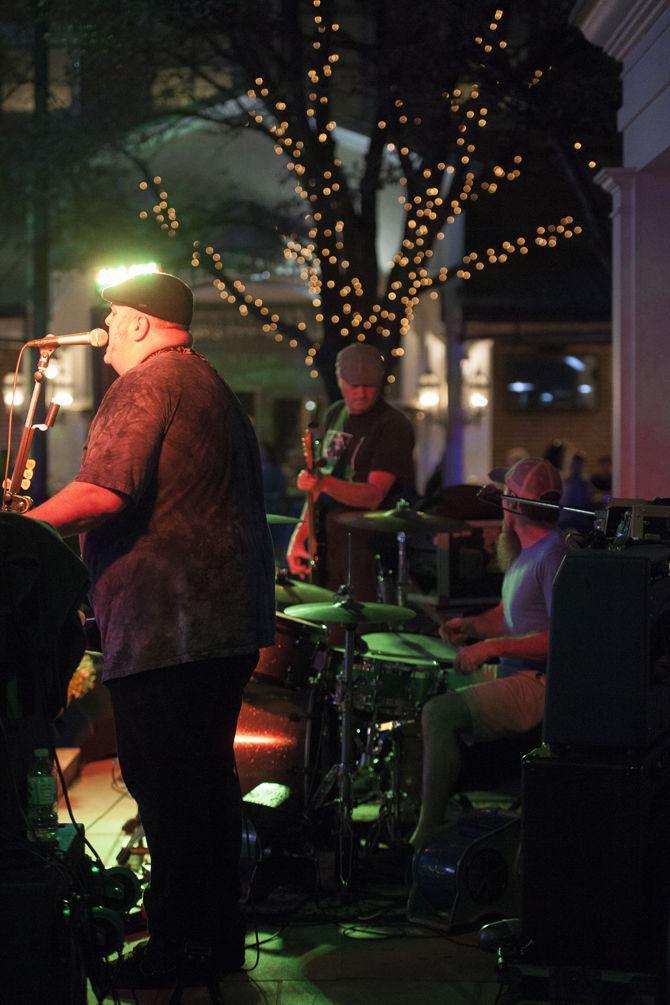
(590, 431)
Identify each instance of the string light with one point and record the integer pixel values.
(337, 296)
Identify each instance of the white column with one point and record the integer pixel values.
(640, 331)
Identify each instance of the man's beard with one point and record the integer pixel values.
(508, 546)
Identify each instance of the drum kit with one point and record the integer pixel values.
(310, 702)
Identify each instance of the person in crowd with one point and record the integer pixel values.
(508, 698)
(576, 493)
(365, 463)
(601, 480)
(169, 499)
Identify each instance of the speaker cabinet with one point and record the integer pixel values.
(595, 861)
(608, 671)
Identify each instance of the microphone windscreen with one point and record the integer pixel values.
(99, 338)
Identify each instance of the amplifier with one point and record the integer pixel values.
(595, 867)
(608, 669)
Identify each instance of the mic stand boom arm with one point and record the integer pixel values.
(494, 496)
(11, 499)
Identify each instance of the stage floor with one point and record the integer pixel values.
(327, 954)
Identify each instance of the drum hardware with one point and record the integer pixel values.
(405, 644)
(346, 611)
(294, 591)
(401, 518)
(400, 521)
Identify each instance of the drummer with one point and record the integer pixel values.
(365, 463)
(530, 550)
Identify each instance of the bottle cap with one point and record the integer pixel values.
(41, 752)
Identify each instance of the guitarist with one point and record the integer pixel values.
(365, 463)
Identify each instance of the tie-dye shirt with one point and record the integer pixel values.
(185, 571)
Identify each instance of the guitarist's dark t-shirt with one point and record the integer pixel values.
(381, 439)
(185, 572)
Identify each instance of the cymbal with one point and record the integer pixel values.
(294, 591)
(273, 518)
(402, 518)
(405, 644)
(345, 611)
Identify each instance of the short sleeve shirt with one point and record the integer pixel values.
(381, 439)
(527, 593)
(185, 571)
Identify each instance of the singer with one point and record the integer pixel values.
(169, 498)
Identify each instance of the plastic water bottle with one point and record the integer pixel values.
(43, 798)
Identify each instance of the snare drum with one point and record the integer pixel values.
(297, 655)
(390, 688)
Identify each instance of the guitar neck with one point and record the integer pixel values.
(310, 508)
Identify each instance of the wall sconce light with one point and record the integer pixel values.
(428, 398)
(476, 391)
(10, 396)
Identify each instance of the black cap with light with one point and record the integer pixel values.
(156, 293)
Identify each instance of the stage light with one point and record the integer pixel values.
(117, 274)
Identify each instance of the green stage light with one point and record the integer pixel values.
(116, 274)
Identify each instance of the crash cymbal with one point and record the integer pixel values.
(392, 521)
(294, 591)
(345, 611)
(274, 518)
(404, 645)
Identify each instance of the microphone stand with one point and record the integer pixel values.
(487, 493)
(11, 499)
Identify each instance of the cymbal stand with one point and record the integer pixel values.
(346, 767)
(345, 694)
(402, 581)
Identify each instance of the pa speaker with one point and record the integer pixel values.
(608, 670)
(594, 859)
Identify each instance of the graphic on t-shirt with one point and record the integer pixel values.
(335, 444)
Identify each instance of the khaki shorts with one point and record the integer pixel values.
(505, 705)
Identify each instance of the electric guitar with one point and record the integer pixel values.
(309, 451)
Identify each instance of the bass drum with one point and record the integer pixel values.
(285, 745)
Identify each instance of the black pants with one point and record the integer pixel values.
(175, 729)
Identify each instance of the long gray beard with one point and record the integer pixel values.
(508, 546)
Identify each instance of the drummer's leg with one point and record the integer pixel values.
(443, 720)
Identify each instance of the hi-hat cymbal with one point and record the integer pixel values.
(280, 518)
(405, 644)
(345, 611)
(392, 521)
(294, 591)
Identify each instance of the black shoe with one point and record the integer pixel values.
(146, 967)
(151, 966)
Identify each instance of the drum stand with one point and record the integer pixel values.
(345, 699)
(402, 582)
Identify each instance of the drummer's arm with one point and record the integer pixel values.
(489, 623)
(486, 625)
(360, 495)
(513, 647)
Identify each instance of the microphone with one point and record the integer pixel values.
(98, 338)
